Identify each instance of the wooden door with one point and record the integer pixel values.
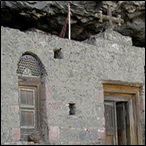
(29, 106)
(28, 110)
(125, 101)
(122, 123)
(110, 123)
(117, 123)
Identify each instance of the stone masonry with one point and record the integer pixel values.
(75, 78)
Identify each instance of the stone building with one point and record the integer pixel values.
(71, 92)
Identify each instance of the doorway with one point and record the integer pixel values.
(29, 105)
(31, 76)
(122, 115)
(117, 122)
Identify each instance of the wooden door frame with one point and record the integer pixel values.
(134, 92)
(31, 81)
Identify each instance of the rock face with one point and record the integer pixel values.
(50, 16)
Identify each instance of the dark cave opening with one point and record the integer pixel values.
(80, 32)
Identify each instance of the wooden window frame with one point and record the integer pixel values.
(132, 94)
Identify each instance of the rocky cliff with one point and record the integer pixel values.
(50, 16)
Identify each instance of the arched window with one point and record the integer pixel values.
(30, 72)
(29, 65)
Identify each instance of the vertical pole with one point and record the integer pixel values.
(69, 26)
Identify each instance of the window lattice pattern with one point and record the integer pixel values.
(28, 65)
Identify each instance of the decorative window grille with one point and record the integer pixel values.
(28, 65)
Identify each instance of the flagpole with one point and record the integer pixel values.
(69, 26)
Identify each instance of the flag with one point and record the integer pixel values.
(62, 34)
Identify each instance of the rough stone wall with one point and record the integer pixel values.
(77, 78)
(84, 23)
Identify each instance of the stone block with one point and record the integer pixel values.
(48, 91)
(54, 133)
(101, 133)
(99, 96)
(15, 108)
(16, 134)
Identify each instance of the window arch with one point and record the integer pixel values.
(30, 65)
